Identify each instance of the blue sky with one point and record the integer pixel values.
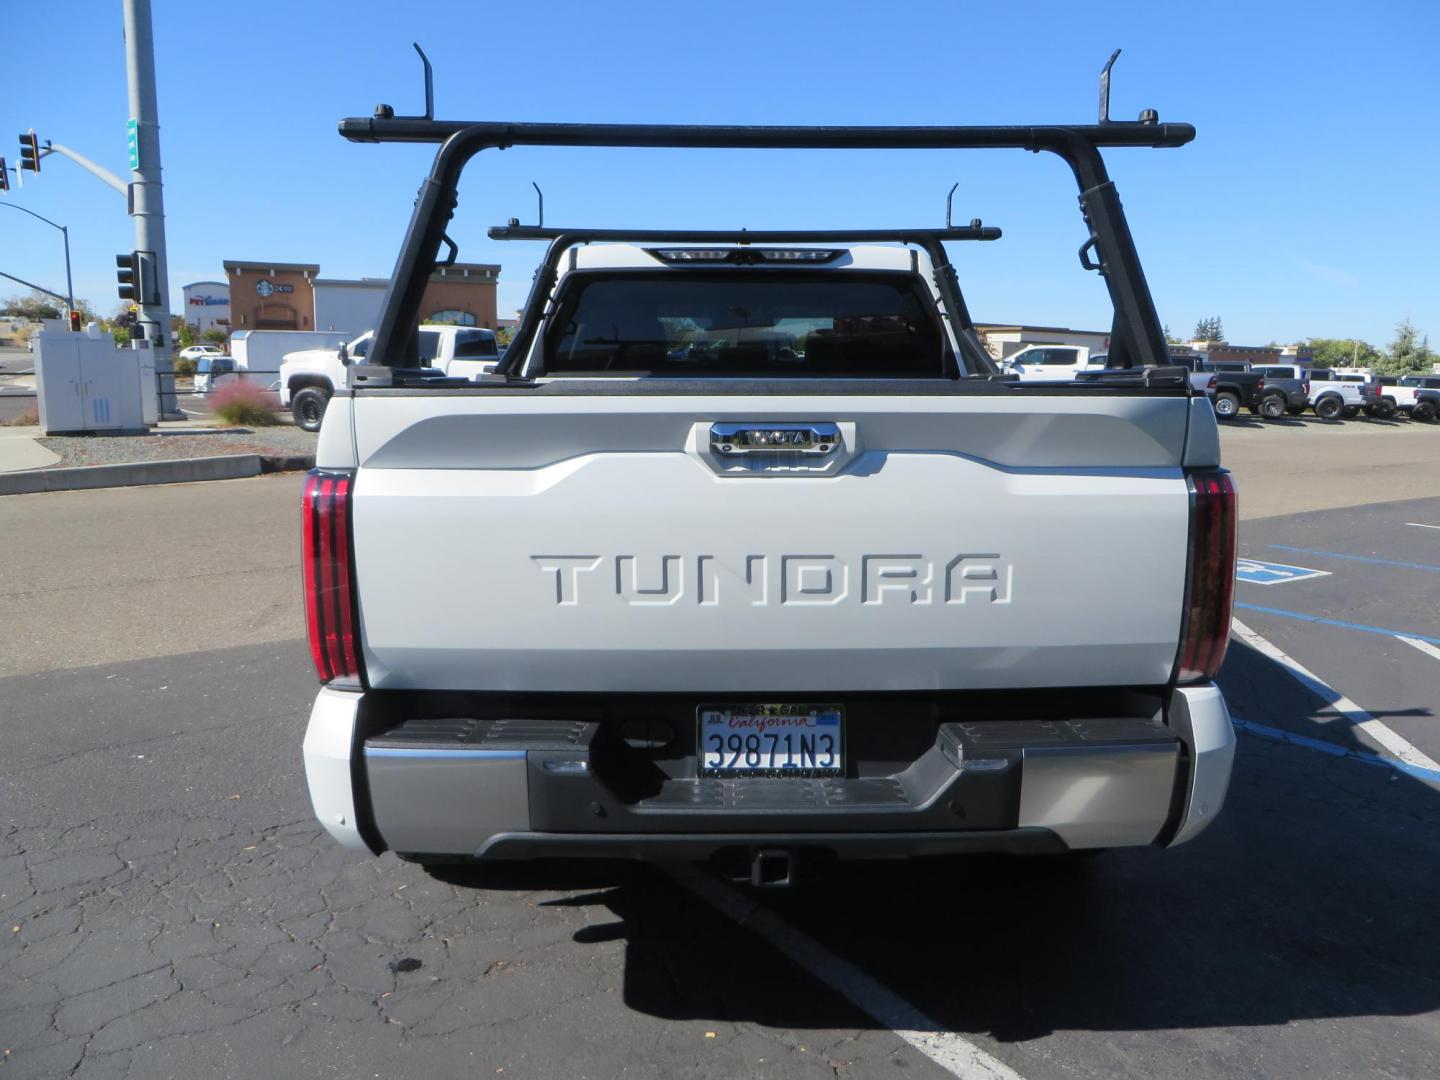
(1308, 205)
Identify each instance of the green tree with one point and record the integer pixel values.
(1343, 352)
(215, 336)
(35, 306)
(182, 332)
(1409, 353)
(1210, 329)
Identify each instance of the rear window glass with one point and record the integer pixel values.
(766, 324)
(1051, 357)
(474, 343)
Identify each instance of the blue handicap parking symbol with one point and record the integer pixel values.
(1269, 573)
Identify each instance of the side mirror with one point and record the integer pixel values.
(344, 354)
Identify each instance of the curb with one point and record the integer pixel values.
(132, 474)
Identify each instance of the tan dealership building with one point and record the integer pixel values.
(283, 296)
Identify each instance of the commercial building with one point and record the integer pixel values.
(292, 296)
(271, 296)
(207, 306)
(342, 304)
(1216, 351)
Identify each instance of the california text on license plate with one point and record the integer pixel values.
(771, 740)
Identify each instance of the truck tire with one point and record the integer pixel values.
(308, 407)
(1351, 411)
(1227, 405)
(1381, 410)
(1294, 410)
(1328, 408)
(1273, 407)
(1423, 410)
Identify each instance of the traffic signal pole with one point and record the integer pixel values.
(148, 207)
(89, 166)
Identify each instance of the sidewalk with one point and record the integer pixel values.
(179, 451)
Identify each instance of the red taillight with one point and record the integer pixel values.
(1211, 384)
(330, 612)
(1210, 590)
(1305, 388)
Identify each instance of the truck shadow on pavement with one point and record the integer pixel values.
(1313, 896)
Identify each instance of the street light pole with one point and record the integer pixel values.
(69, 285)
(65, 232)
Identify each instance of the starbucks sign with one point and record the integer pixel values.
(266, 287)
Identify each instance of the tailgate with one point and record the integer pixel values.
(579, 543)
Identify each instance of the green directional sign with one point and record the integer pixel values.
(132, 141)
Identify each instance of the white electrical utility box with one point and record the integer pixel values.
(86, 384)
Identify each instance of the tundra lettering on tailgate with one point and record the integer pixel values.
(762, 580)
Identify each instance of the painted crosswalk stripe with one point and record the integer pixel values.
(1274, 734)
(1387, 737)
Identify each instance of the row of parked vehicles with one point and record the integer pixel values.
(1276, 390)
(1268, 390)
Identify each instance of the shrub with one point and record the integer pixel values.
(215, 336)
(247, 404)
(184, 367)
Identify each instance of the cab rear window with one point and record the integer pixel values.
(770, 324)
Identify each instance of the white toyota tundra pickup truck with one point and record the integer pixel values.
(755, 554)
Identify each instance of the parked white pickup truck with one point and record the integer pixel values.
(752, 552)
(308, 378)
(1333, 393)
(1051, 362)
(1402, 394)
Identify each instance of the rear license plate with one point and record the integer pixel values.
(771, 740)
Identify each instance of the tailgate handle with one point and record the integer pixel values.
(811, 437)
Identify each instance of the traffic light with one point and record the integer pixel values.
(30, 152)
(136, 277)
(4, 176)
(74, 322)
(127, 274)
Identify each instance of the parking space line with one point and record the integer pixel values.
(1423, 646)
(1388, 738)
(1358, 558)
(1274, 734)
(1420, 525)
(1342, 624)
(953, 1053)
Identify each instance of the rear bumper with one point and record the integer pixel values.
(542, 789)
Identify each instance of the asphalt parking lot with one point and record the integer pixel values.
(171, 910)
